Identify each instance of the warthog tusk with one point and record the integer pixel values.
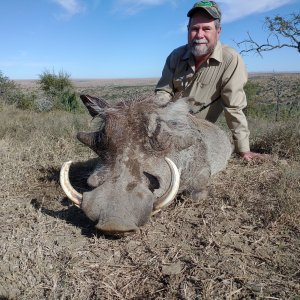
(71, 193)
(172, 191)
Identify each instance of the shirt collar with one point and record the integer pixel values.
(217, 53)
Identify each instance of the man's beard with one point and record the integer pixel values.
(201, 48)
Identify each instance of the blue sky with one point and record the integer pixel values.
(123, 38)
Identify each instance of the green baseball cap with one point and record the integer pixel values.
(210, 7)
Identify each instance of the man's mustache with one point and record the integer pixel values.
(200, 41)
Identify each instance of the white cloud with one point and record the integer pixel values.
(71, 7)
(231, 9)
(235, 9)
(131, 7)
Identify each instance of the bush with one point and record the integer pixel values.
(252, 91)
(6, 89)
(59, 91)
(12, 94)
(52, 83)
(26, 101)
(273, 98)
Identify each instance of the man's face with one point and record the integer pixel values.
(202, 35)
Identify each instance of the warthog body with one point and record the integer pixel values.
(144, 149)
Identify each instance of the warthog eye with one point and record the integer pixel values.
(153, 182)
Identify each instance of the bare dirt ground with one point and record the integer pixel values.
(242, 242)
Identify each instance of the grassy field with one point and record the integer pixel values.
(241, 242)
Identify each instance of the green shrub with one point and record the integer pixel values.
(272, 112)
(12, 94)
(59, 91)
(26, 101)
(67, 101)
(6, 89)
(251, 89)
(52, 83)
(273, 98)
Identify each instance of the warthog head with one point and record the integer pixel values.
(142, 150)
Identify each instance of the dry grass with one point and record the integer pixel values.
(242, 242)
(280, 138)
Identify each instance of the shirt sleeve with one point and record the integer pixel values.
(164, 89)
(234, 101)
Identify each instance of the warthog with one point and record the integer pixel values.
(148, 155)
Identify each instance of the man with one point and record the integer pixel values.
(213, 74)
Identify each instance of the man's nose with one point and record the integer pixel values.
(200, 34)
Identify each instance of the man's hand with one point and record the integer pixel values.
(162, 99)
(254, 156)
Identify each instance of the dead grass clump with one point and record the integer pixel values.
(269, 192)
(279, 201)
(282, 139)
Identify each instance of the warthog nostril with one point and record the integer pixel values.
(153, 183)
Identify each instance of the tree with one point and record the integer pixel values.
(283, 32)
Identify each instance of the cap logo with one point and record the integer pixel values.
(203, 4)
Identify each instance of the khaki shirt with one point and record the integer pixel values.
(223, 74)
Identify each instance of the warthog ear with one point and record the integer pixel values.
(94, 105)
(91, 139)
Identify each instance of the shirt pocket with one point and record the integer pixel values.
(206, 76)
(209, 81)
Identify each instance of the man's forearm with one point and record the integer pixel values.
(237, 123)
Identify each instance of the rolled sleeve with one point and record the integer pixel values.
(234, 101)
